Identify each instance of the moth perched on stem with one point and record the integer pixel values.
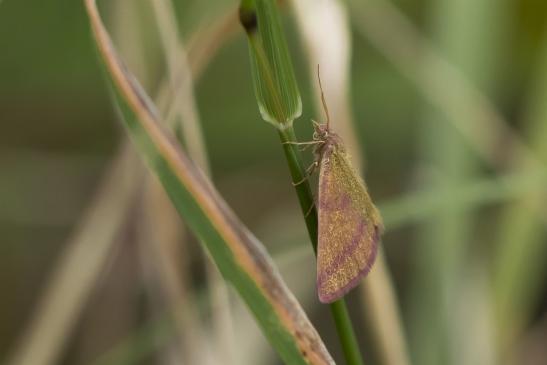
(349, 224)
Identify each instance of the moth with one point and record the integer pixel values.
(349, 224)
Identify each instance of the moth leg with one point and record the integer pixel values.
(311, 207)
(305, 145)
(310, 170)
(302, 143)
(303, 148)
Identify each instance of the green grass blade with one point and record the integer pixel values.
(273, 76)
(239, 256)
(421, 206)
(519, 269)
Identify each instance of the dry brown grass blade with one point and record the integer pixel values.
(202, 48)
(181, 85)
(324, 29)
(128, 29)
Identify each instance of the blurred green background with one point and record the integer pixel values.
(60, 130)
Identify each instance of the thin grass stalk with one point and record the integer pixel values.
(201, 49)
(127, 30)
(338, 309)
(182, 89)
(181, 85)
(325, 32)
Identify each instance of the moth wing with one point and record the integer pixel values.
(349, 228)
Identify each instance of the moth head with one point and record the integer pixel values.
(321, 131)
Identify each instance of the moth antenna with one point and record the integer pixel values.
(323, 98)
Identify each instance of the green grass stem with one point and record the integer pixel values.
(339, 311)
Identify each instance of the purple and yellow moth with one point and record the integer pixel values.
(349, 224)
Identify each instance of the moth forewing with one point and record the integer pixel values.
(349, 223)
